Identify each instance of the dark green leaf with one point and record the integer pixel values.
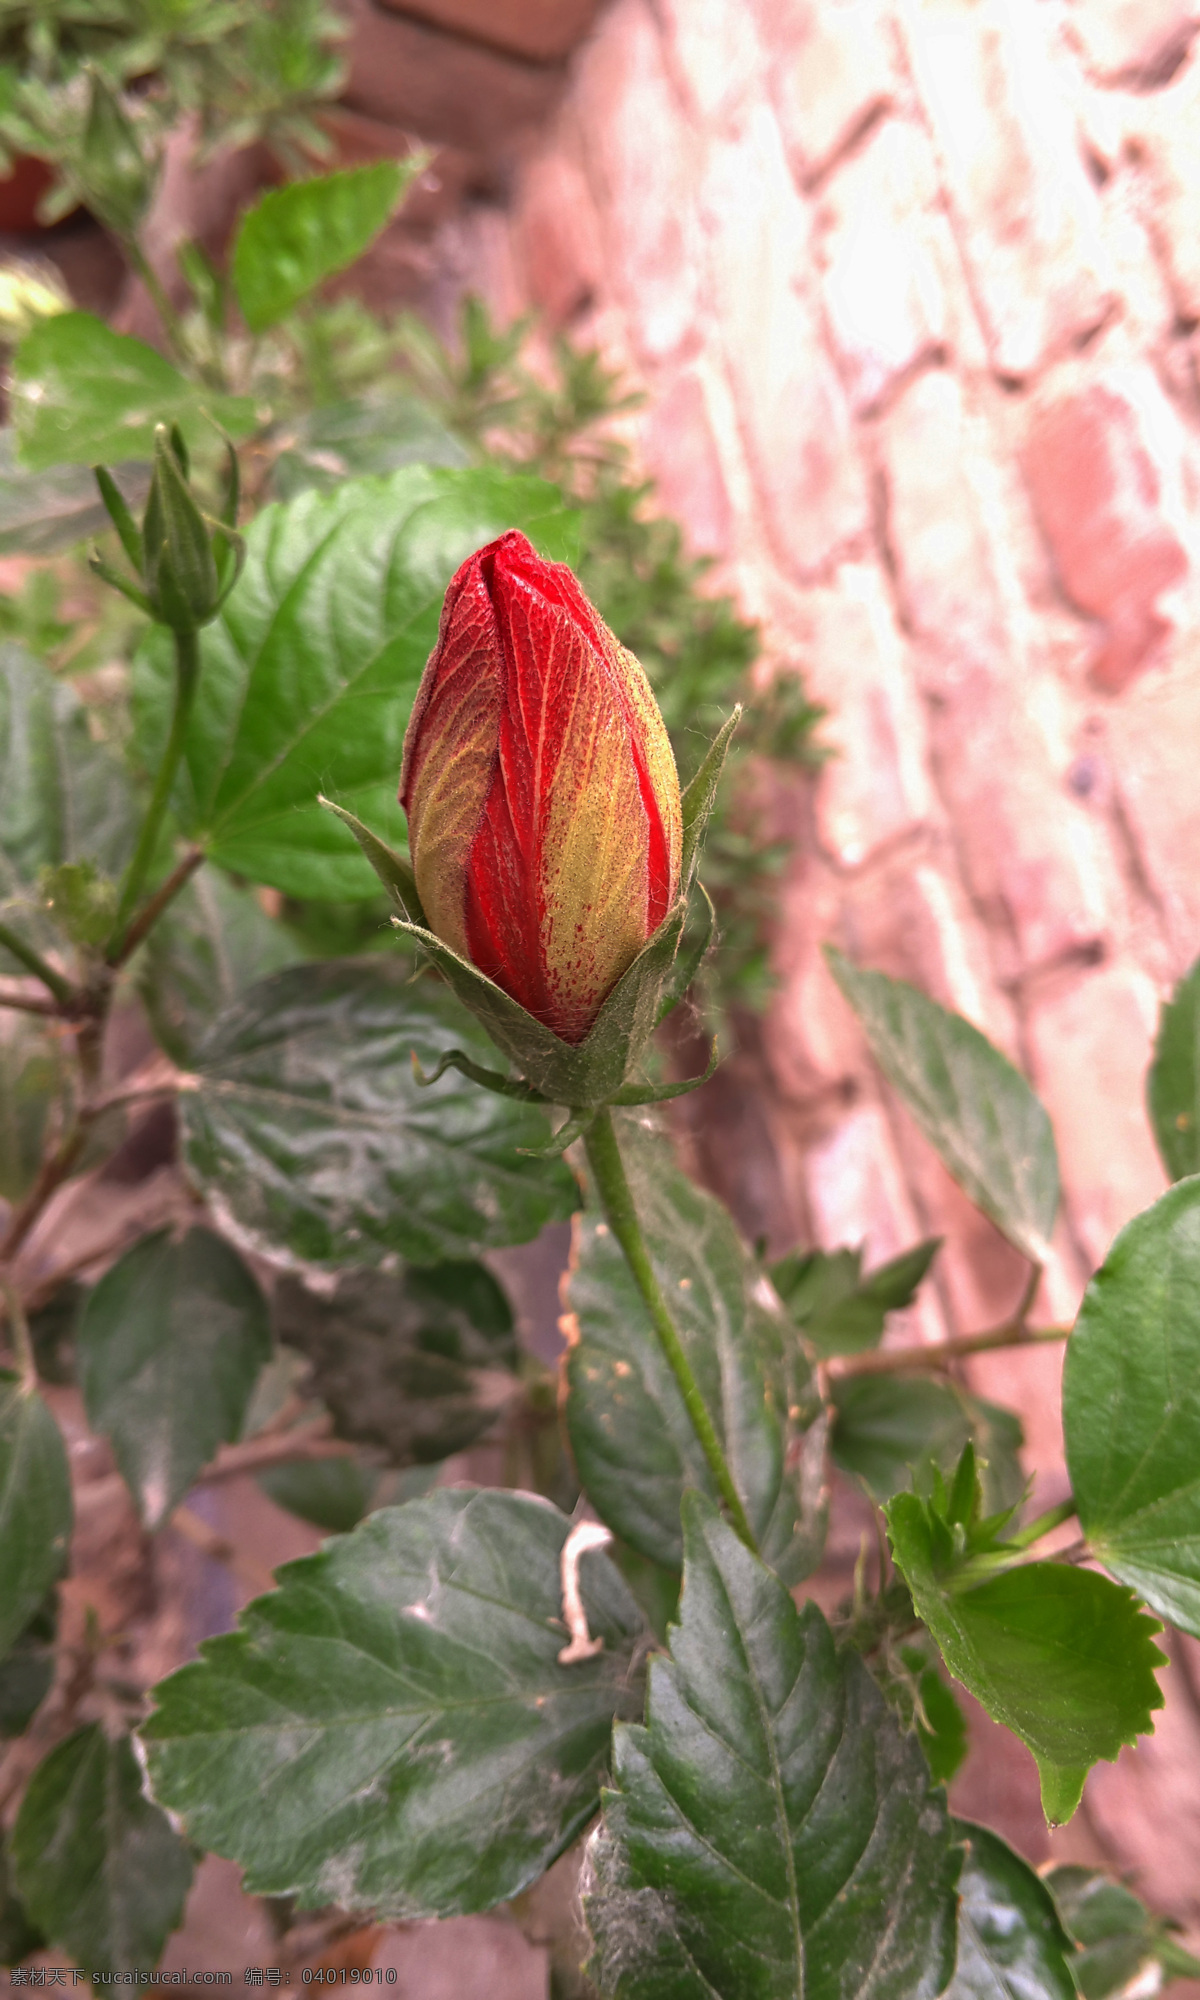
(352, 440)
(840, 1311)
(975, 1109)
(309, 673)
(168, 1349)
(99, 1867)
(1011, 1945)
(295, 236)
(35, 1506)
(331, 1493)
(310, 1124)
(1061, 1656)
(27, 1674)
(631, 1437)
(1118, 1936)
(1131, 1407)
(35, 1073)
(772, 1831)
(1173, 1085)
(391, 1729)
(84, 395)
(43, 512)
(18, 1935)
(887, 1427)
(213, 942)
(418, 1363)
(66, 799)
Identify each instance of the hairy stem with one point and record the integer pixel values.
(604, 1156)
(187, 668)
(33, 962)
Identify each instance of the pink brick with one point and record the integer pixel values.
(876, 788)
(857, 1194)
(559, 236)
(640, 157)
(833, 68)
(945, 570)
(1146, 1806)
(681, 454)
(1135, 42)
(1026, 212)
(1163, 131)
(1090, 1043)
(715, 51)
(883, 290)
(793, 413)
(1151, 747)
(1098, 464)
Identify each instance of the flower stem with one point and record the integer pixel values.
(35, 963)
(19, 1336)
(187, 669)
(604, 1156)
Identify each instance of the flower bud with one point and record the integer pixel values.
(542, 798)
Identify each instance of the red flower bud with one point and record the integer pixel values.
(542, 797)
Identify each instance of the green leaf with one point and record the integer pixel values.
(331, 1493)
(310, 1124)
(213, 942)
(1118, 1936)
(27, 1674)
(1173, 1084)
(1131, 1407)
(391, 1729)
(1061, 1656)
(84, 395)
(99, 1867)
(35, 1506)
(66, 799)
(840, 1311)
(168, 1349)
(375, 434)
(888, 1427)
(35, 1074)
(18, 1936)
(771, 1831)
(418, 1363)
(943, 1733)
(976, 1110)
(632, 1440)
(1011, 1944)
(42, 513)
(309, 673)
(297, 235)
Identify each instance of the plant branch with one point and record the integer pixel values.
(187, 668)
(29, 1003)
(152, 910)
(283, 1448)
(604, 1156)
(33, 961)
(942, 1353)
(19, 1337)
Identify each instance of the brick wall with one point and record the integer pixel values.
(914, 291)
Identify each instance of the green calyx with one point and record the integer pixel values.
(602, 1069)
(186, 562)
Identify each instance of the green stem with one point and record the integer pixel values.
(187, 669)
(35, 963)
(604, 1156)
(162, 305)
(1043, 1525)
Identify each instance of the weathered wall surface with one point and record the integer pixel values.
(914, 291)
